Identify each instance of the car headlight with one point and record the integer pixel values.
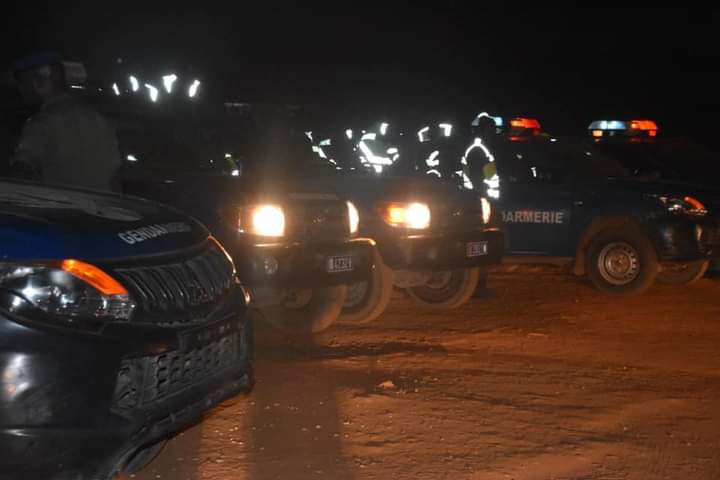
(69, 289)
(486, 210)
(353, 218)
(264, 220)
(685, 205)
(415, 216)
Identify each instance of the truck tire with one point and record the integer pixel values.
(684, 274)
(446, 290)
(621, 261)
(309, 311)
(366, 301)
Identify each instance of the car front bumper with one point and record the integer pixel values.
(685, 239)
(81, 405)
(442, 251)
(303, 265)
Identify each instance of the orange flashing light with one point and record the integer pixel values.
(597, 133)
(643, 125)
(395, 214)
(521, 122)
(648, 126)
(92, 275)
(694, 202)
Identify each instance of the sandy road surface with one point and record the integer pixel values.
(544, 379)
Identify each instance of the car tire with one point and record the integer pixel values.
(313, 310)
(685, 274)
(622, 261)
(447, 290)
(367, 300)
(143, 457)
(482, 291)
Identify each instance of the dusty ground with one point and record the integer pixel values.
(545, 379)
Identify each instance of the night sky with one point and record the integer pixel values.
(565, 66)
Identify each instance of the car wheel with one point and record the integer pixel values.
(448, 289)
(307, 310)
(143, 457)
(680, 275)
(622, 262)
(367, 300)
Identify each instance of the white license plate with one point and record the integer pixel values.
(476, 249)
(339, 264)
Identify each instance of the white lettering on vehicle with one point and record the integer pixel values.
(148, 232)
(534, 216)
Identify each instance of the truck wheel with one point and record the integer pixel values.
(447, 289)
(622, 261)
(307, 311)
(368, 300)
(683, 274)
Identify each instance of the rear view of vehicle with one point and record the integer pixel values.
(121, 323)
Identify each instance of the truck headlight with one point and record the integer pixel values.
(685, 205)
(353, 218)
(415, 216)
(69, 289)
(486, 210)
(264, 220)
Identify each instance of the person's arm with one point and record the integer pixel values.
(31, 150)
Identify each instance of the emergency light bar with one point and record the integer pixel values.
(527, 123)
(603, 128)
(522, 128)
(498, 120)
(645, 126)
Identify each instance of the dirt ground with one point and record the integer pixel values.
(543, 379)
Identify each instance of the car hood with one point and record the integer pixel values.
(393, 188)
(708, 195)
(39, 222)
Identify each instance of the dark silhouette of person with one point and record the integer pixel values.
(65, 142)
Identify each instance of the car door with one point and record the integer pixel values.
(538, 201)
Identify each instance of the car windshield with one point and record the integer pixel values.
(385, 154)
(554, 159)
(670, 159)
(229, 146)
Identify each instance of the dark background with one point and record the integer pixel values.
(566, 66)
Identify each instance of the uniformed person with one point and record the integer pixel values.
(479, 159)
(65, 141)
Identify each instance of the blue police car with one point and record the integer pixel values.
(565, 200)
(121, 323)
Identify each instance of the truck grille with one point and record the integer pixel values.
(458, 217)
(179, 292)
(146, 380)
(318, 220)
